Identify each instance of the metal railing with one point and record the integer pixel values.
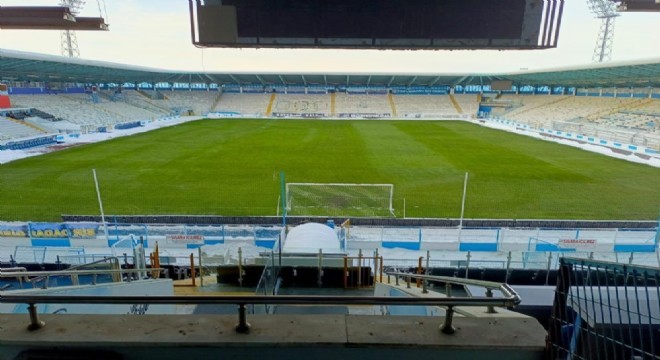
(511, 299)
(605, 310)
(34, 276)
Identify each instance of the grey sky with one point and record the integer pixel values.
(156, 33)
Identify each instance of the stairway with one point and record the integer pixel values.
(390, 98)
(216, 102)
(269, 109)
(25, 123)
(15, 129)
(333, 106)
(454, 102)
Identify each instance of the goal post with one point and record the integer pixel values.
(339, 199)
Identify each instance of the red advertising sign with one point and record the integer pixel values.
(185, 239)
(577, 243)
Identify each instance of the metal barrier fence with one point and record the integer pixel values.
(509, 299)
(605, 310)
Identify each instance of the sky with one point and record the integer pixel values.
(156, 33)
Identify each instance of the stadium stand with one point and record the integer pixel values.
(174, 102)
(376, 105)
(246, 104)
(120, 109)
(75, 108)
(135, 99)
(424, 106)
(302, 104)
(14, 129)
(468, 103)
(543, 112)
(201, 102)
(645, 117)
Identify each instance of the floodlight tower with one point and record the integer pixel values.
(68, 37)
(606, 11)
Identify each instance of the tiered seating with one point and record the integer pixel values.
(526, 103)
(645, 117)
(200, 101)
(468, 103)
(16, 129)
(136, 100)
(53, 126)
(302, 104)
(42, 114)
(76, 109)
(564, 108)
(246, 104)
(121, 109)
(424, 106)
(362, 104)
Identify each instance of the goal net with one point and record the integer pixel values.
(328, 199)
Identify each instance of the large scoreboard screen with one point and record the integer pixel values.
(384, 24)
(640, 5)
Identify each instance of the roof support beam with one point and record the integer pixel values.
(435, 80)
(260, 79)
(412, 81)
(235, 79)
(459, 81)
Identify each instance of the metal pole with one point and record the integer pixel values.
(490, 308)
(243, 327)
(345, 272)
(283, 196)
(508, 268)
(460, 224)
(319, 281)
(192, 268)
(467, 264)
(418, 281)
(98, 195)
(381, 270)
(359, 272)
(240, 267)
(35, 323)
(447, 327)
(425, 282)
(547, 277)
(201, 273)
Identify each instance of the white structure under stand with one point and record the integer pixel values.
(310, 238)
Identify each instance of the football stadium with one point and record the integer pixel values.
(329, 194)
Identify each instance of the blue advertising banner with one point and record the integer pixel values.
(13, 230)
(62, 230)
(48, 230)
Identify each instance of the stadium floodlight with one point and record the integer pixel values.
(336, 199)
(606, 11)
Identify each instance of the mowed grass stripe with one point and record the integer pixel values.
(231, 167)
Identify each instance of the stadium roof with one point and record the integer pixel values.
(25, 66)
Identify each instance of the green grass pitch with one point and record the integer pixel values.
(231, 167)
